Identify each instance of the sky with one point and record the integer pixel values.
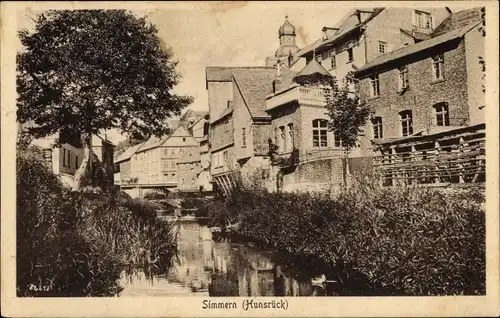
(225, 34)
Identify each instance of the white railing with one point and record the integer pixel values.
(300, 94)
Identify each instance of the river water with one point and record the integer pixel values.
(210, 268)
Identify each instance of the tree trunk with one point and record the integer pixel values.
(85, 164)
(344, 167)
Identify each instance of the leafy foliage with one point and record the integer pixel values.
(91, 70)
(79, 243)
(374, 241)
(347, 114)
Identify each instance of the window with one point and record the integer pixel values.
(183, 139)
(442, 114)
(165, 152)
(243, 137)
(324, 55)
(406, 118)
(64, 157)
(333, 63)
(290, 133)
(382, 47)
(422, 19)
(76, 161)
(438, 67)
(337, 141)
(320, 129)
(375, 87)
(377, 127)
(403, 77)
(318, 58)
(350, 55)
(225, 154)
(282, 139)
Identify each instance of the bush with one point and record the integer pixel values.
(79, 243)
(375, 241)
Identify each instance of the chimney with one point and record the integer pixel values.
(328, 32)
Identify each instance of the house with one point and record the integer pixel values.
(251, 122)
(306, 154)
(221, 94)
(66, 158)
(154, 164)
(428, 102)
(364, 34)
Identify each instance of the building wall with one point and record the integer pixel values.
(242, 120)
(261, 132)
(387, 24)
(222, 133)
(320, 175)
(188, 175)
(219, 93)
(474, 48)
(221, 163)
(307, 115)
(282, 116)
(422, 94)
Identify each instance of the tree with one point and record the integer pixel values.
(87, 71)
(347, 115)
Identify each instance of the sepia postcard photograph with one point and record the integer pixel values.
(270, 159)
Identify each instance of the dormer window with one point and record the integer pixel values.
(422, 19)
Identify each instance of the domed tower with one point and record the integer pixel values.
(286, 35)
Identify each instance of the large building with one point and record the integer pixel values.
(427, 101)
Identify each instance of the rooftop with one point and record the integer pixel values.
(128, 153)
(224, 73)
(348, 24)
(413, 49)
(254, 85)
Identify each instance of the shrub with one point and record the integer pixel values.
(79, 243)
(375, 241)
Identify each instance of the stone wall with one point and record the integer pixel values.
(422, 94)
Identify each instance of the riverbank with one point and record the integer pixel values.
(372, 240)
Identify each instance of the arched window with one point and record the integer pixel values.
(320, 129)
(406, 118)
(442, 114)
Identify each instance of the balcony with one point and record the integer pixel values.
(302, 95)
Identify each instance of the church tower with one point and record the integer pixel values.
(287, 48)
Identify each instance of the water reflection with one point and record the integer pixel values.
(229, 269)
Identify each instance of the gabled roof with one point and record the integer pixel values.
(413, 49)
(348, 24)
(458, 20)
(128, 153)
(254, 85)
(224, 73)
(154, 141)
(191, 154)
